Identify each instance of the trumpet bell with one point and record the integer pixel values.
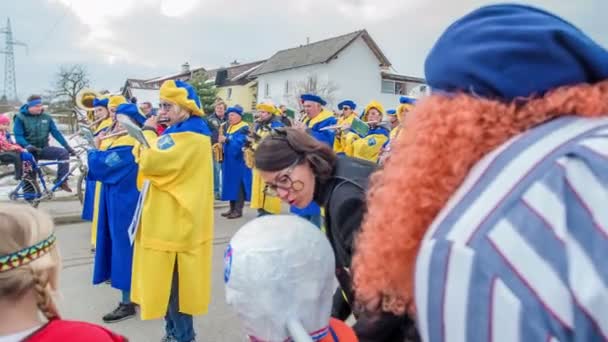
(85, 97)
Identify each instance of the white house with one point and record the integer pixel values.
(351, 66)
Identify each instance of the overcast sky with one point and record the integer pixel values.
(116, 39)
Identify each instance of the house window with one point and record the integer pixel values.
(229, 95)
(398, 87)
(287, 87)
(267, 90)
(388, 87)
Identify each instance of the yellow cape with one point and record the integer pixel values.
(176, 227)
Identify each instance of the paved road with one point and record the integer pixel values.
(80, 300)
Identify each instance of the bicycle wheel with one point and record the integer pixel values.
(27, 191)
(81, 187)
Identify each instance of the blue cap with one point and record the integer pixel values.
(131, 110)
(391, 112)
(101, 102)
(347, 103)
(509, 51)
(407, 100)
(313, 98)
(237, 110)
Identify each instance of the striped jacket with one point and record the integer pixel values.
(520, 251)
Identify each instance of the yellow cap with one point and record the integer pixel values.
(182, 94)
(374, 104)
(116, 100)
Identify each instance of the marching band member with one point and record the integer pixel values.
(369, 146)
(113, 102)
(103, 121)
(116, 169)
(407, 104)
(316, 117)
(260, 200)
(397, 123)
(348, 115)
(393, 120)
(173, 241)
(236, 176)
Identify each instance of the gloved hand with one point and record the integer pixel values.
(71, 151)
(33, 149)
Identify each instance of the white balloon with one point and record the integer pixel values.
(279, 270)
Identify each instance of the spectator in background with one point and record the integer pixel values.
(29, 275)
(148, 111)
(215, 121)
(285, 120)
(32, 129)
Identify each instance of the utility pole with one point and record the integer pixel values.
(10, 76)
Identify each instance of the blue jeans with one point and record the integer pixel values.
(126, 297)
(217, 179)
(56, 153)
(314, 219)
(178, 325)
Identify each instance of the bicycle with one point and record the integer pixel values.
(33, 188)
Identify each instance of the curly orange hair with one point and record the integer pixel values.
(443, 139)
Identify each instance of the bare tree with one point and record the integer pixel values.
(312, 85)
(70, 80)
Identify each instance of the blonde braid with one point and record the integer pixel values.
(43, 296)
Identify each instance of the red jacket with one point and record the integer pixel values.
(59, 330)
(7, 146)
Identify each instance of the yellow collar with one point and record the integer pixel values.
(324, 115)
(235, 128)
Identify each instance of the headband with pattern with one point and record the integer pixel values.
(26, 255)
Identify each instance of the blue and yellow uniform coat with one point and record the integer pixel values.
(259, 200)
(92, 189)
(116, 170)
(369, 147)
(342, 139)
(235, 172)
(324, 119)
(176, 227)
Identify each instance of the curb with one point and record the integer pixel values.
(67, 219)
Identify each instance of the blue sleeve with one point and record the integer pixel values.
(19, 133)
(111, 166)
(326, 136)
(57, 135)
(276, 124)
(238, 140)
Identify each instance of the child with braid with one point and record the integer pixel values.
(29, 271)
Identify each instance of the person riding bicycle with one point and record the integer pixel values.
(32, 128)
(11, 153)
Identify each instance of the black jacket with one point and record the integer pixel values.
(343, 197)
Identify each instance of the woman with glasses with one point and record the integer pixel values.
(236, 176)
(348, 115)
(301, 170)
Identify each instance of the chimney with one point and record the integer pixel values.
(307, 40)
(234, 63)
(186, 67)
